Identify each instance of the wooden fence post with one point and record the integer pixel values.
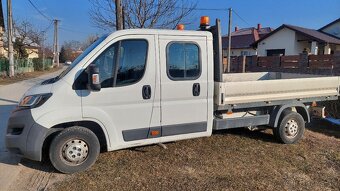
(303, 62)
(336, 57)
(276, 62)
(253, 63)
(243, 69)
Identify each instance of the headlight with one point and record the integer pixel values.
(33, 101)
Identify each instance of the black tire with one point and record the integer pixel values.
(290, 129)
(74, 149)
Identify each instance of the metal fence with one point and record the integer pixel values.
(25, 65)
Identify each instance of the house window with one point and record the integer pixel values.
(183, 61)
(276, 52)
(245, 53)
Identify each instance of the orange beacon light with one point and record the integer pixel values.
(180, 27)
(204, 21)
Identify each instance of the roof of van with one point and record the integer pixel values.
(162, 32)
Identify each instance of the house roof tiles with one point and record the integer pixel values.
(310, 33)
(243, 38)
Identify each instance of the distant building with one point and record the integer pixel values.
(2, 27)
(32, 51)
(293, 40)
(332, 28)
(242, 39)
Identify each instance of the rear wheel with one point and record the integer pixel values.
(74, 149)
(290, 129)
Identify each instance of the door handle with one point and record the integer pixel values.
(146, 92)
(196, 89)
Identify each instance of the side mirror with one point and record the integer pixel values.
(93, 82)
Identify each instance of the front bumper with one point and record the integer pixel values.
(24, 136)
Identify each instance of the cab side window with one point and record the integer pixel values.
(106, 63)
(132, 61)
(123, 63)
(183, 61)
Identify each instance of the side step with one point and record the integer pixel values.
(229, 123)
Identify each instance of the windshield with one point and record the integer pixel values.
(81, 56)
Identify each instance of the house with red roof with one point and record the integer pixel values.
(242, 40)
(294, 40)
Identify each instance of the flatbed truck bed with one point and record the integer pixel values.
(267, 88)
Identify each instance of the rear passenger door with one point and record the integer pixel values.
(184, 99)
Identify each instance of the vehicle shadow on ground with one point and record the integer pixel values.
(5, 110)
(324, 127)
(12, 159)
(263, 135)
(44, 166)
(8, 100)
(8, 158)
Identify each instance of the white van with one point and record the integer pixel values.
(139, 87)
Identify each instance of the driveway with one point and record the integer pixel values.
(12, 168)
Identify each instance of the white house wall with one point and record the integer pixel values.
(238, 52)
(283, 39)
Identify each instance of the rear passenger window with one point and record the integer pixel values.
(183, 61)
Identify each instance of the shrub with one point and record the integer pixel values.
(4, 64)
(38, 64)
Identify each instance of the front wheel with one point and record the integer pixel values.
(290, 129)
(74, 149)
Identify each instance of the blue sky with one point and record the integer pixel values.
(76, 23)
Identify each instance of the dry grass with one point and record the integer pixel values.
(4, 80)
(229, 160)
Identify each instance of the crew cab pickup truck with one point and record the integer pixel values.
(139, 87)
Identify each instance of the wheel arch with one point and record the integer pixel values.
(94, 126)
(279, 110)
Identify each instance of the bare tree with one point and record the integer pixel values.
(70, 50)
(142, 13)
(26, 36)
(88, 41)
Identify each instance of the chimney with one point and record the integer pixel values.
(236, 28)
(259, 26)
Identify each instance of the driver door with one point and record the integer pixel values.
(125, 104)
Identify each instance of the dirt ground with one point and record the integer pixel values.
(25, 76)
(229, 160)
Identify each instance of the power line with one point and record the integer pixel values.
(241, 17)
(203, 9)
(41, 13)
(70, 30)
(209, 9)
(49, 26)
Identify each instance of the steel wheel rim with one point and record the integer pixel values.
(291, 128)
(75, 151)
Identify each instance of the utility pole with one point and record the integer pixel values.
(119, 15)
(10, 38)
(229, 40)
(43, 49)
(123, 17)
(55, 45)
